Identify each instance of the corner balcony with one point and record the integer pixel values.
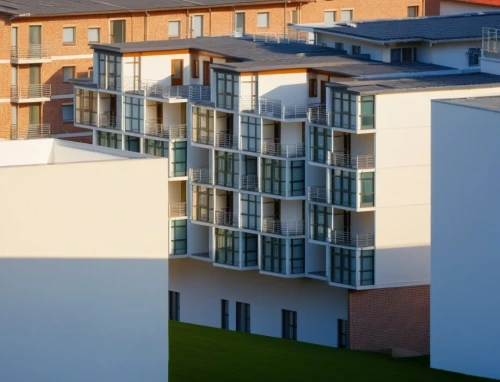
(283, 150)
(109, 122)
(159, 89)
(226, 219)
(31, 54)
(357, 123)
(201, 176)
(352, 162)
(363, 201)
(226, 141)
(278, 227)
(177, 210)
(318, 116)
(155, 129)
(273, 109)
(351, 240)
(30, 93)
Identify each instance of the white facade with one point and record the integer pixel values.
(464, 257)
(457, 7)
(83, 272)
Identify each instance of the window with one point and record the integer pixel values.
(339, 45)
(227, 89)
(156, 148)
(313, 87)
(367, 112)
(344, 188)
(203, 199)
(403, 55)
(111, 140)
(195, 69)
(342, 333)
(344, 110)
(197, 26)
(250, 211)
(473, 55)
(67, 113)
(86, 108)
(263, 20)
(294, 17)
(94, 35)
(367, 189)
(227, 248)
(329, 17)
(67, 73)
(250, 134)
(297, 177)
(224, 314)
(13, 37)
(320, 141)
(174, 305)
(178, 236)
(110, 71)
(174, 29)
(344, 266)
(117, 33)
(134, 114)
(320, 218)
(367, 262)
(289, 324)
(355, 50)
(179, 154)
(132, 144)
(297, 261)
(273, 254)
(273, 176)
(203, 126)
(226, 169)
(242, 317)
(69, 35)
(346, 15)
(250, 247)
(91, 72)
(413, 11)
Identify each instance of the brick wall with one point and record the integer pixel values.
(432, 7)
(382, 319)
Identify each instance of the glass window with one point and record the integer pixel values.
(403, 55)
(68, 72)
(174, 306)
(203, 125)
(178, 237)
(174, 29)
(227, 249)
(94, 35)
(179, 153)
(313, 87)
(320, 141)
(250, 211)
(67, 113)
(413, 11)
(249, 249)
(203, 198)
(156, 148)
(132, 144)
(263, 20)
(273, 254)
(346, 15)
(227, 89)
(250, 134)
(355, 50)
(109, 140)
(297, 256)
(344, 110)
(227, 169)
(339, 45)
(242, 317)
(110, 68)
(342, 333)
(86, 107)
(117, 33)
(367, 112)
(195, 69)
(273, 176)
(297, 177)
(224, 310)
(367, 262)
(69, 35)
(343, 266)
(329, 17)
(134, 114)
(320, 220)
(289, 324)
(344, 188)
(473, 55)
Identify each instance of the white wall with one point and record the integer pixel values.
(290, 88)
(454, 7)
(159, 68)
(291, 132)
(202, 286)
(448, 54)
(26, 152)
(376, 51)
(465, 259)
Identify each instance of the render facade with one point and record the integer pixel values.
(77, 304)
(285, 217)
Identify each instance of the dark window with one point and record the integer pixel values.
(227, 250)
(132, 144)
(250, 248)
(367, 189)
(344, 110)
(224, 314)
(242, 317)
(227, 90)
(117, 33)
(367, 112)
(342, 333)
(289, 324)
(273, 173)
(343, 266)
(250, 211)
(178, 237)
(174, 305)
(297, 177)
(320, 218)
(403, 55)
(367, 262)
(273, 254)
(227, 169)
(313, 87)
(109, 140)
(195, 69)
(473, 55)
(134, 114)
(339, 45)
(321, 144)
(344, 188)
(156, 148)
(250, 134)
(297, 261)
(413, 11)
(179, 153)
(355, 50)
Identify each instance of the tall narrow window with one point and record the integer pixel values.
(289, 324)
(313, 87)
(473, 55)
(134, 114)
(227, 89)
(117, 32)
(239, 23)
(242, 317)
(224, 314)
(329, 17)
(198, 26)
(178, 236)
(174, 305)
(342, 329)
(195, 69)
(179, 158)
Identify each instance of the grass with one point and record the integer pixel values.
(199, 353)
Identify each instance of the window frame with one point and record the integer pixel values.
(178, 35)
(174, 305)
(72, 112)
(178, 225)
(473, 55)
(268, 21)
(73, 69)
(195, 69)
(313, 87)
(351, 10)
(355, 50)
(415, 9)
(224, 313)
(289, 325)
(334, 12)
(98, 35)
(73, 42)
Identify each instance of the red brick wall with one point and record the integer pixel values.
(382, 319)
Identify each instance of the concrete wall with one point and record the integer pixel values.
(464, 241)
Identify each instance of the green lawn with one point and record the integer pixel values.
(205, 354)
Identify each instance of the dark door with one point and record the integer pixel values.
(159, 113)
(206, 73)
(277, 132)
(177, 69)
(323, 92)
(229, 124)
(277, 209)
(117, 31)
(112, 105)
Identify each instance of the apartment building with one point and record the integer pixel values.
(452, 7)
(77, 304)
(51, 40)
(299, 189)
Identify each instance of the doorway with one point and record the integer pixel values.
(239, 23)
(177, 72)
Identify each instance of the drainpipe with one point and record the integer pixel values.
(188, 27)
(210, 22)
(423, 7)
(284, 21)
(146, 16)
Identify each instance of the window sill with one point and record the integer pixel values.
(69, 43)
(68, 122)
(267, 27)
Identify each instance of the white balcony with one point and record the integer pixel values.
(279, 227)
(31, 54)
(348, 239)
(201, 176)
(250, 182)
(177, 210)
(226, 141)
(111, 122)
(317, 115)
(35, 131)
(31, 93)
(283, 150)
(226, 218)
(159, 89)
(168, 132)
(273, 108)
(355, 162)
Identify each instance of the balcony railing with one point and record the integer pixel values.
(14, 134)
(279, 227)
(177, 210)
(318, 115)
(30, 91)
(199, 93)
(227, 141)
(272, 108)
(357, 162)
(226, 218)
(31, 52)
(109, 122)
(318, 195)
(491, 43)
(169, 132)
(201, 176)
(356, 240)
(159, 89)
(37, 131)
(250, 182)
(283, 150)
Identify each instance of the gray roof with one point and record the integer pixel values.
(69, 7)
(416, 84)
(430, 29)
(483, 103)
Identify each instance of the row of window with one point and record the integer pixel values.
(330, 17)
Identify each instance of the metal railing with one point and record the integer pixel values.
(199, 93)
(227, 141)
(109, 122)
(226, 218)
(201, 176)
(272, 108)
(169, 132)
(14, 133)
(357, 240)
(38, 131)
(31, 52)
(283, 150)
(318, 115)
(159, 89)
(176, 210)
(30, 91)
(318, 194)
(278, 227)
(250, 182)
(491, 43)
(358, 162)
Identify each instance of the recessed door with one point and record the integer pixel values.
(35, 34)
(117, 31)
(34, 88)
(206, 73)
(177, 69)
(323, 92)
(239, 23)
(34, 114)
(159, 113)
(198, 26)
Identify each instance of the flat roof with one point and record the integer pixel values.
(31, 8)
(418, 84)
(484, 103)
(467, 26)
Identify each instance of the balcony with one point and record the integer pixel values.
(177, 210)
(35, 131)
(342, 198)
(226, 141)
(226, 218)
(111, 122)
(30, 93)
(317, 115)
(155, 129)
(279, 227)
(273, 108)
(31, 54)
(355, 118)
(353, 240)
(201, 176)
(355, 162)
(283, 150)
(158, 89)
(250, 182)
